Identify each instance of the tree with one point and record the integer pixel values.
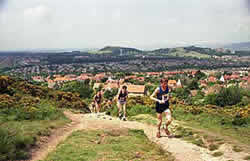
(193, 85)
(199, 75)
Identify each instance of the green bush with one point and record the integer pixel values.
(109, 94)
(210, 99)
(228, 96)
(193, 85)
(239, 121)
(83, 88)
(182, 93)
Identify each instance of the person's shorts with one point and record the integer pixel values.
(161, 108)
(122, 102)
(98, 102)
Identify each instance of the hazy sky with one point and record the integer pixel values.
(34, 24)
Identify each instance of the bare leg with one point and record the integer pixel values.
(168, 121)
(97, 107)
(124, 110)
(119, 109)
(159, 117)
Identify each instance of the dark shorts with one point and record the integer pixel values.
(160, 108)
(98, 102)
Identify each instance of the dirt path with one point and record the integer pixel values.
(182, 150)
(48, 144)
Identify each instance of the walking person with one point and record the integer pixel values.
(98, 100)
(161, 96)
(122, 102)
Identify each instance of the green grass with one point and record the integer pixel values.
(108, 145)
(215, 123)
(18, 137)
(144, 118)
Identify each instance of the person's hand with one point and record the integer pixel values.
(161, 101)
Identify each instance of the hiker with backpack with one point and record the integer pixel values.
(161, 96)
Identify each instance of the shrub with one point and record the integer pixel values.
(239, 121)
(83, 88)
(6, 101)
(109, 94)
(193, 85)
(182, 93)
(229, 96)
(210, 99)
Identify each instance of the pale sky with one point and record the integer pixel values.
(31, 24)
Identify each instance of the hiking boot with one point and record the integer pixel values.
(120, 116)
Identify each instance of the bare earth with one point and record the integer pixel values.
(180, 149)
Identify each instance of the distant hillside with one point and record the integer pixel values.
(162, 50)
(238, 46)
(118, 50)
(191, 51)
(202, 52)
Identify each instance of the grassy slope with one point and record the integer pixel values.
(204, 122)
(114, 145)
(213, 123)
(17, 137)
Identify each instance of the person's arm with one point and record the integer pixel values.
(116, 97)
(154, 94)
